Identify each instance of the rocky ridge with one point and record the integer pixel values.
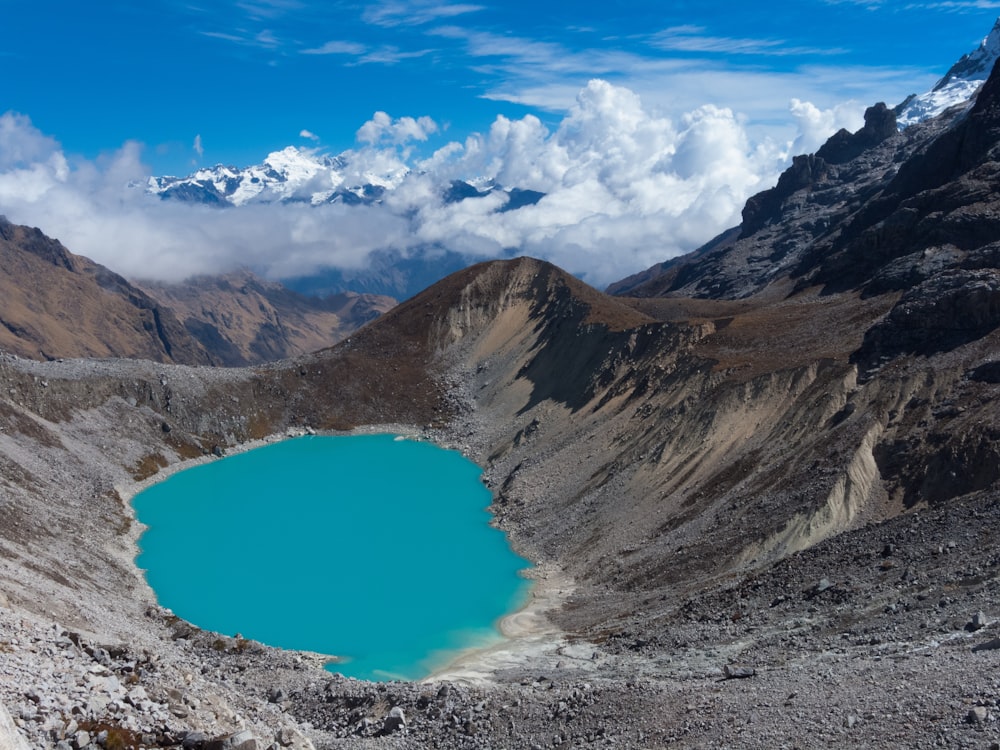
(957, 87)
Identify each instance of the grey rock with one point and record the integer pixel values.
(395, 721)
(242, 740)
(978, 621)
(977, 715)
(194, 741)
(733, 672)
(102, 657)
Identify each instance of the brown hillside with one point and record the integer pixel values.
(56, 304)
(243, 319)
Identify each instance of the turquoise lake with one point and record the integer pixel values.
(371, 548)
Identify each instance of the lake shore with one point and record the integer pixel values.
(528, 636)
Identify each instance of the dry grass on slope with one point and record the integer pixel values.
(56, 304)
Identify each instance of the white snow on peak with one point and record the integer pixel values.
(287, 175)
(959, 85)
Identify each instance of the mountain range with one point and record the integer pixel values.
(295, 175)
(760, 484)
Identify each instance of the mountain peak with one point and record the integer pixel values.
(975, 65)
(959, 84)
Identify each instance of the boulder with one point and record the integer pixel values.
(395, 721)
(242, 740)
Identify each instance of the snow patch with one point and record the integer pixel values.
(958, 86)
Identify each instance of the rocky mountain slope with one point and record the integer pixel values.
(762, 491)
(243, 319)
(56, 304)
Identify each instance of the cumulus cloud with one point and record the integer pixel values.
(625, 187)
(97, 210)
(308, 134)
(382, 128)
(815, 125)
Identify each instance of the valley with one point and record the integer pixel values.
(760, 484)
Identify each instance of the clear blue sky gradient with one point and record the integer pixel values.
(249, 76)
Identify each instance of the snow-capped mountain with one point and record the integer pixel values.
(304, 176)
(289, 175)
(958, 86)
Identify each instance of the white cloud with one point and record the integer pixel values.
(260, 9)
(94, 210)
(308, 134)
(694, 39)
(382, 128)
(198, 148)
(337, 48)
(264, 39)
(413, 12)
(816, 125)
(625, 187)
(21, 144)
(390, 55)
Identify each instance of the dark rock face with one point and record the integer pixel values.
(33, 241)
(876, 211)
(766, 207)
(809, 169)
(947, 310)
(843, 146)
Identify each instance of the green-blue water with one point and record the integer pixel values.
(370, 548)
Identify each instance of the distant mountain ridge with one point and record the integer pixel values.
(294, 175)
(287, 176)
(243, 319)
(55, 304)
(307, 177)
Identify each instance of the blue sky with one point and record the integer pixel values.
(249, 76)
(646, 124)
